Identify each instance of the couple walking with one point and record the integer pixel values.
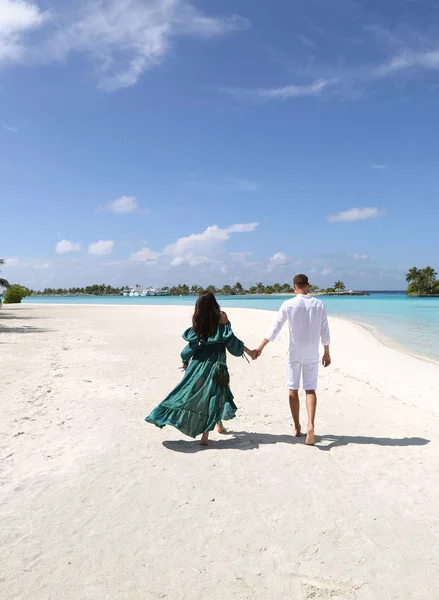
(203, 398)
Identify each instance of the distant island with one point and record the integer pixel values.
(338, 289)
(422, 282)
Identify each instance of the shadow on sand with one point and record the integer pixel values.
(24, 329)
(344, 440)
(243, 440)
(7, 315)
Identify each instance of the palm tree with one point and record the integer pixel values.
(339, 286)
(413, 275)
(3, 282)
(196, 290)
(421, 281)
(429, 274)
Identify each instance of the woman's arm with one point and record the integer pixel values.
(187, 353)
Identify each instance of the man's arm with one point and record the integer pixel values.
(278, 323)
(326, 339)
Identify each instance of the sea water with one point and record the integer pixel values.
(412, 323)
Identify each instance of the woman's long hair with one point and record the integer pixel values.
(207, 316)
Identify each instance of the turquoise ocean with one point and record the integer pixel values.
(409, 323)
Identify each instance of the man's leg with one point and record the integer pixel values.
(293, 384)
(295, 411)
(310, 376)
(311, 406)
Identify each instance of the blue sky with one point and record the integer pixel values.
(171, 141)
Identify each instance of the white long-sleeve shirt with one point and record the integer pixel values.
(307, 323)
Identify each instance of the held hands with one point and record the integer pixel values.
(252, 354)
(255, 354)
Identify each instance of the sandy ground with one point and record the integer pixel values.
(98, 505)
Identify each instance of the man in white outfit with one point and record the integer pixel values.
(308, 324)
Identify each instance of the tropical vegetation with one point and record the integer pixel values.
(90, 290)
(15, 294)
(3, 282)
(422, 282)
(183, 289)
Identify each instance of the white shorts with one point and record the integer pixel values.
(308, 372)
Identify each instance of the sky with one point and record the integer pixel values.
(175, 141)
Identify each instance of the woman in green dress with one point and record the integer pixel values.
(203, 399)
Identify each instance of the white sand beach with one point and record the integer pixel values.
(96, 504)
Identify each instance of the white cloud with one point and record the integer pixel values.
(327, 271)
(124, 204)
(380, 167)
(17, 18)
(294, 91)
(408, 59)
(279, 258)
(360, 257)
(125, 38)
(190, 259)
(199, 248)
(145, 255)
(101, 248)
(13, 261)
(290, 91)
(197, 241)
(210, 238)
(19, 263)
(355, 214)
(65, 246)
(242, 228)
(178, 261)
(239, 256)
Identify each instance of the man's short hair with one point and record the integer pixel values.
(301, 281)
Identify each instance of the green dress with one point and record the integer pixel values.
(199, 401)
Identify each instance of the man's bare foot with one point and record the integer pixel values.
(310, 437)
(204, 439)
(220, 428)
(297, 431)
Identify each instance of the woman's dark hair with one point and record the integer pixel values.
(207, 316)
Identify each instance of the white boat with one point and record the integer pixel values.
(138, 291)
(133, 291)
(156, 291)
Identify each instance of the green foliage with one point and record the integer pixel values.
(339, 286)
(15, 294)
(286, 288)
(3, 282)
(177, 290)
(422, 282)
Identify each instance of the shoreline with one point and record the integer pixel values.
(375, 333)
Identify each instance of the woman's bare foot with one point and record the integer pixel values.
(204, 439)
(220, 428)
(297, 431)
(310, 437)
